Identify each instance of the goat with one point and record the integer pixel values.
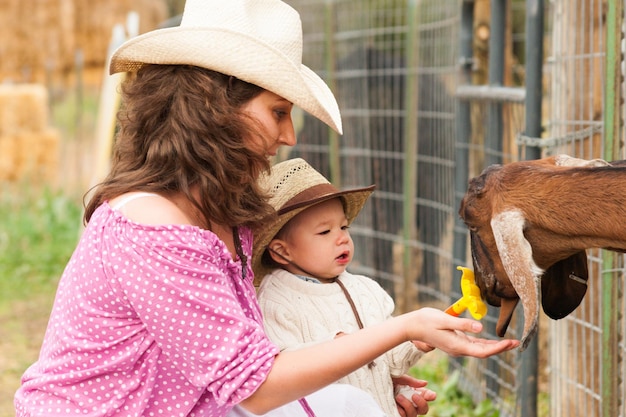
(530, 223)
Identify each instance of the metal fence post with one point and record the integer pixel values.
(529, 369)
(611, 360)
(493, 141)
(410, 143)
(331, 68)
(463, 131)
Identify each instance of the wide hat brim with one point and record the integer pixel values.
(233, 53)
(353, 201)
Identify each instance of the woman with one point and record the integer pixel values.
(156, 312)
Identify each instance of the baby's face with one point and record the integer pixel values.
(318, 240)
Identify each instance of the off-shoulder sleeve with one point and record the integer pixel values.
(193, 302)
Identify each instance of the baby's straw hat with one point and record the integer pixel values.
(294, 185)
(258, 41)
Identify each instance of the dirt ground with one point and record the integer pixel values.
(22, 326)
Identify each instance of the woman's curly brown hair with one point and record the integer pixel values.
(183, 127)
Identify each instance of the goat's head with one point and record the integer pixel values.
(503, 260)
(495, 285)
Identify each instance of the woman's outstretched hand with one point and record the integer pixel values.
(449, 334)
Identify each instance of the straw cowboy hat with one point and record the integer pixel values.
(294, 186)
(258, 41)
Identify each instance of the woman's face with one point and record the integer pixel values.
(274, 114)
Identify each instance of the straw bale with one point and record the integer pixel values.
(39, 40)
(36, 35)
(37, 157)
(23, 108)
(32, 157)
(8, 158)
(95, 20)
(29, 148)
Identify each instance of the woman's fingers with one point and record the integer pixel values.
(448, 334)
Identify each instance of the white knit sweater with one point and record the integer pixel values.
(299, 313)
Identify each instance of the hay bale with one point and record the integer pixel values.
(40, 39)
(8, 157)
(29, 148)
(36, 36)
(37, 156)
(23, 108)
(95, 20)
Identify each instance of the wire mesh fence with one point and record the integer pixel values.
(396, 69)
(394, 112)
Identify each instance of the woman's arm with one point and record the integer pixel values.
(296, 374)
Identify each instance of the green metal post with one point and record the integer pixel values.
(610, 288)
(529, 369)
(330, 59)
(410, 146)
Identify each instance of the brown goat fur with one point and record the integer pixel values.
(530, 224)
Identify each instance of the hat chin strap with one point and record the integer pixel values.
(297, 266)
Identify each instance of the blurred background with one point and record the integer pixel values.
(53, 57)
(431, 93)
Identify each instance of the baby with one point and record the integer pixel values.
(305, 292)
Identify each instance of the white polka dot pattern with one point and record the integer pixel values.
(149, 321)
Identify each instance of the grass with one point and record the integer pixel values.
(451, 401)
(38, 232)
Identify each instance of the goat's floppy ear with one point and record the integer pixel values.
(564, 285)
(517, 259)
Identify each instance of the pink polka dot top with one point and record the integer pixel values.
(149, 321)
